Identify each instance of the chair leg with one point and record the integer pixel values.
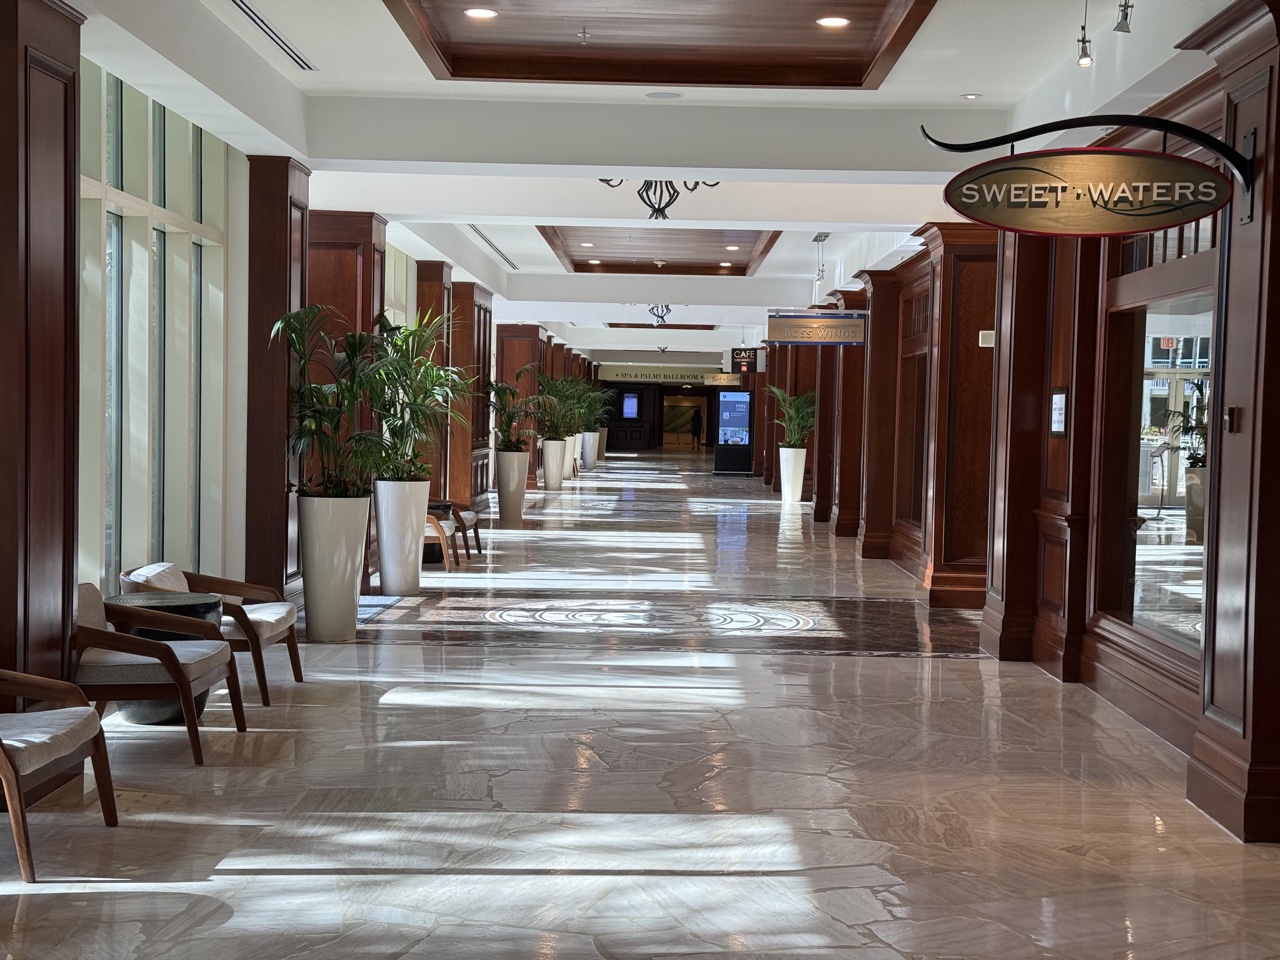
(475, 532)
(295, 658)
(102, 777)
(101, 707)
(192, 718)
(465, 542)
(233, 691)
(453, 545)
(260, 670)
(18, 821)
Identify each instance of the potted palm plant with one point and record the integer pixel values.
(1189, 430)
(329, 392)
(554, 421)
(797, 417)
(596, 403)
(511, 415)
(415, 399)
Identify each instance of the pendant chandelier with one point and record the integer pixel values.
(659, 195)
(660, 312)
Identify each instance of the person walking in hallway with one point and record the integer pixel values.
(695, 427)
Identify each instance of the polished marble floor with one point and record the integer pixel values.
(604, 742)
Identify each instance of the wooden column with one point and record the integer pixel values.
(878, 412)
(39, 367)
(1234, 773)
(471, 350)
(1020, 423)
(555, 354)
(435, 299)
(777, 376)
(278, 200)
(826, 433)
(519, 345)
(846, 508)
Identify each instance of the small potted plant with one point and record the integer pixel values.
(797, 417)
(511, 416)
(414, 400)
(329, 393)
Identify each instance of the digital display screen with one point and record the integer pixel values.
(735, 418)
(630, 406)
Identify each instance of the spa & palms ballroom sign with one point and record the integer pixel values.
(1099, 192)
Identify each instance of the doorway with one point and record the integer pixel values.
(677, 421)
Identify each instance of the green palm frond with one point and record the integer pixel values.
(796, 415)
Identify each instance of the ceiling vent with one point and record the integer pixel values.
(272, 34)
(493, 246)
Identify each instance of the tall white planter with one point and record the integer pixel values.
(513, 468)
(553, 452)
(333, 532)
(791, 469)
(570, 454)
(401, 508)
(577, 449)
(603, 434)
(590, 444)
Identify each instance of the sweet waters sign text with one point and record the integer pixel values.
(1088, 193)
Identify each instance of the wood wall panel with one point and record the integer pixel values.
(471, 343)
(826, 434)
(435, 299)
(846, 511)
(878, 412)
(517, 345)
(278, 233)
(39, 368)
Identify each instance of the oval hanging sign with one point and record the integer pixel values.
(1088, 193)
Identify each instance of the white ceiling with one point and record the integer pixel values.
(435, 156)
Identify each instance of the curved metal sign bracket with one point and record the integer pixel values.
(1240, 165)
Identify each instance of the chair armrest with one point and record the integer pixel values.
(93, 638)
(203, 583)
(237, 613)
(124, 617)
(41, 688)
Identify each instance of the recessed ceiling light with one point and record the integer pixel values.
(586, 244)
(481, 13)
(731, 248)
(726, 264)
(833, 21)
(970, 96)
(664, 95)
(594, 262)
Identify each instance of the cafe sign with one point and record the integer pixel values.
(1099, 192)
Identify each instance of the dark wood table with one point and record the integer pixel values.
(199, 606)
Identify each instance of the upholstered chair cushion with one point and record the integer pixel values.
(40, 737)
(197, 657)
(163, 576)
(90, 611)
(448, 526)
(268, 619)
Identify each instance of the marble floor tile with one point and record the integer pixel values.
(664, 718)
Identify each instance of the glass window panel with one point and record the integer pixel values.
(114, 381)
(156, 376)
(197, 385)
(115, 132)
(157, 154)
(197, 174)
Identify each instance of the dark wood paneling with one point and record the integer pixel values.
(517, 345)
(39, 370)
(709, 42)
(846, 510)
(878, 412)
(278, 200)
(470, 350)
(826, 433)
(1020, 421)
(435, 299)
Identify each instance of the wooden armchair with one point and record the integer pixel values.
(468, 521)
(248, 627)
(40, 744)
(117, 666)
(442, 528)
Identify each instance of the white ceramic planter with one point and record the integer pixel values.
(513, 468)
(603, 433)
(401, 509)
(553, 453)
(333, 533)
(577, 451)
(791, 470)
(570, 454)
(590, 445)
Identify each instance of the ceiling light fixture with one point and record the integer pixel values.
(586, 244)
(584, 36)
(1084, 51)
(1125, 18)
(970, 96)
(660, 312)
(664, 95)
(481, 13)
(594, 263)
(732, 248)
(725, 263)
(659, 195)
(833, 21)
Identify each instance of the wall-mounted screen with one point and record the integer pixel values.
(735, 418)
(630, 406)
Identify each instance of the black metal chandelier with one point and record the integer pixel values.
(660, 312)
(659, 195)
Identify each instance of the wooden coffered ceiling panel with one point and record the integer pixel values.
(697, 253)
(665, 326)
(742, 43)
